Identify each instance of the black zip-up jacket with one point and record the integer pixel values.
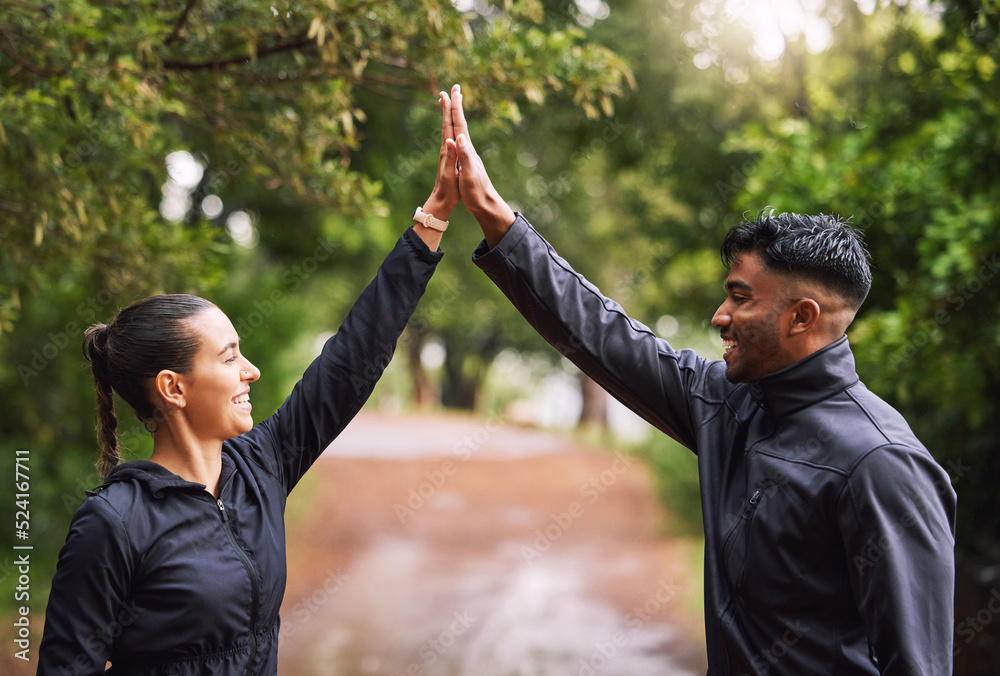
(829, 528)
(160, 577)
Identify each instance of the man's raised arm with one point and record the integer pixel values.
(622, 355)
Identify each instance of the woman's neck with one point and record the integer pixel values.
(189, 458)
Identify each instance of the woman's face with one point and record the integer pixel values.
(217, 400)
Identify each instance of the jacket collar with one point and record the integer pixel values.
(157, 479)
(808, 381)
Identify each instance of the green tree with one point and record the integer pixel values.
(916, 167)
(620, 194)
(267, 100)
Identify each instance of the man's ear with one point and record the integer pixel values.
(804, 316)
(171, 388)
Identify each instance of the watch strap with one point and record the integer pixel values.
(428, 220)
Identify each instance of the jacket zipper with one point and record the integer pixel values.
(748, 513)
(254, 584)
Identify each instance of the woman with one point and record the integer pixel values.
(176, 565)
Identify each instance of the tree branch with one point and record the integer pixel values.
(181, 20)
(8, 49)
(13, 207)
(298, 43)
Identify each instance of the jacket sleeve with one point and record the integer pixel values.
(642, 371)
(339, 381)
(88, 603)
(897, 517)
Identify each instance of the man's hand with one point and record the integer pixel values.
(474, 185)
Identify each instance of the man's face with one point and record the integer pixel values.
(751, 320)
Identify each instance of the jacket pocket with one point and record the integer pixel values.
(737, 543)
(748, 514)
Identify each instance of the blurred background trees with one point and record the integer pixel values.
(213, 148)
(267, 154)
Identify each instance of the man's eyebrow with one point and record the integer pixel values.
(737, 284)
(229, 346)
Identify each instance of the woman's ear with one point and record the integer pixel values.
(804, 317)
(171, 388)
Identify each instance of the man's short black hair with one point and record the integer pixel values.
(822, 248)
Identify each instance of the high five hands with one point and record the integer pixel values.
(461, 176)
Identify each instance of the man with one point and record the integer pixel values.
(829, 528)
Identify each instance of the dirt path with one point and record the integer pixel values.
(454, 546)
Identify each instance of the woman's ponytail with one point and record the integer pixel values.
(126, 355)
(95, 349)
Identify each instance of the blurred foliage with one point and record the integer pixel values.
(902, 131)
(677, 485)
(94, 95)
(633, 134)
(271, 99)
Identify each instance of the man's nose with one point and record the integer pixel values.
(721, 319)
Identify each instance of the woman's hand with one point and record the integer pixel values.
(444, 197)
(474, 185)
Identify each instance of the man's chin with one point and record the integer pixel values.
(735, 374)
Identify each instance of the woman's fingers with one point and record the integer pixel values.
(449, 167)
(447, 125)
(446, 183)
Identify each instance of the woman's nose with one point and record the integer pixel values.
(251, 372)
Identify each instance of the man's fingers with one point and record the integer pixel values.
(463, 147)
(458, 112)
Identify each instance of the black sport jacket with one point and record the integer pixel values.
(829, 528)
(159, 577)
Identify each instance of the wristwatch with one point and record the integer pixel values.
(425, 219)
